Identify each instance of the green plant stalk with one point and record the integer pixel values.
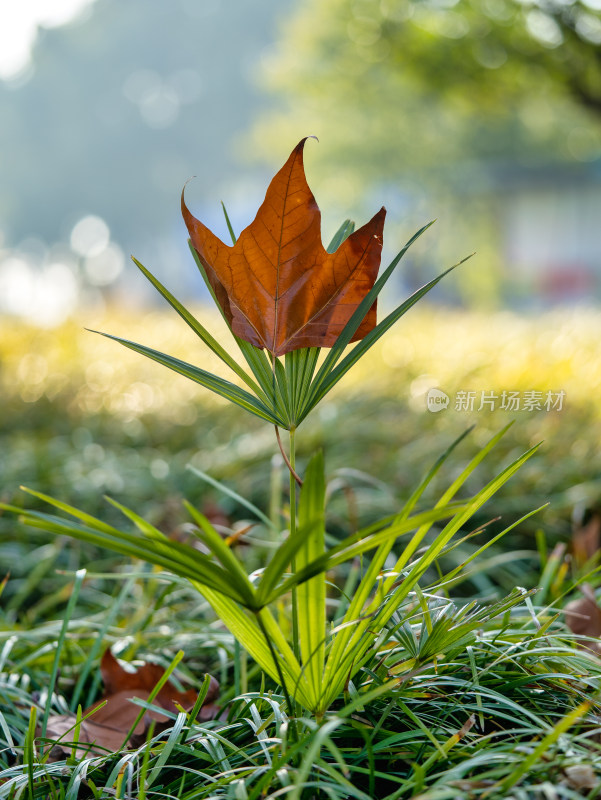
(146, 758)
(237, 656)
(295, 626)
(72, 759)
(295, 638)
(275, 497)
(93, 652)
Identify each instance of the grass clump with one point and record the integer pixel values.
(505, 689)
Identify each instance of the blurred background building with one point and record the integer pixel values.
(485, 114)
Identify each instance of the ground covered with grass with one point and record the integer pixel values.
(467, 695)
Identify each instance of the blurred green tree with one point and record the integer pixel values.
(421, 93)
(450, 78)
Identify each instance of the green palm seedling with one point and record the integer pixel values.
(284, 297)
(327, 655)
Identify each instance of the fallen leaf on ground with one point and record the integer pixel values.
(586, 534)
(277, 286)
(583, 617)
(581, 776)
(105, 731)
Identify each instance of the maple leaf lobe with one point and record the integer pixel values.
(278, 287)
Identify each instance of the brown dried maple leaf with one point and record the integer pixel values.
(106, 729)
(144, 679)
(277, 286)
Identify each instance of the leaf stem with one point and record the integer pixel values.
(289, 461)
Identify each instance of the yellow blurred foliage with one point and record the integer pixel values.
(453, 350)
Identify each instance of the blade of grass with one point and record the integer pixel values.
(167, 748)
(94, 650)
(224, 555)
(29, 751)
(145, 762)
(200, 699)
(356, 545)
(228, 223)
(254, 357)
(249, 633)
(72, 759)
(280, 561)
(152, 696)
(155, 542)
(544, 746)
(209, 574)
(341, 659)
(343, 232)
(234, 495)
(366, 585)
(79, 578)
(449, 576)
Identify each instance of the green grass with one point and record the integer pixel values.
(460, 725)
(486, 703)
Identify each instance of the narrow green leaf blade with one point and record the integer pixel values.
(133, 546)
(281, 559)
(231, 493)
(177, 553)
(356, 545)
(255, 358)
(378, 613)
(248, 632)
(228, 223)
(225, 556)
(200, 330)
(366, 343)
(343, 232)
(224, 388)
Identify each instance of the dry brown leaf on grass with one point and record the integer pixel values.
(581, 776)
(105, 731)
(586, 534)
(583, 617)
(278, 287)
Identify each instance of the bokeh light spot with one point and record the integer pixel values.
(90, 236)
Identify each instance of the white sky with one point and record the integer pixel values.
(19, 20)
